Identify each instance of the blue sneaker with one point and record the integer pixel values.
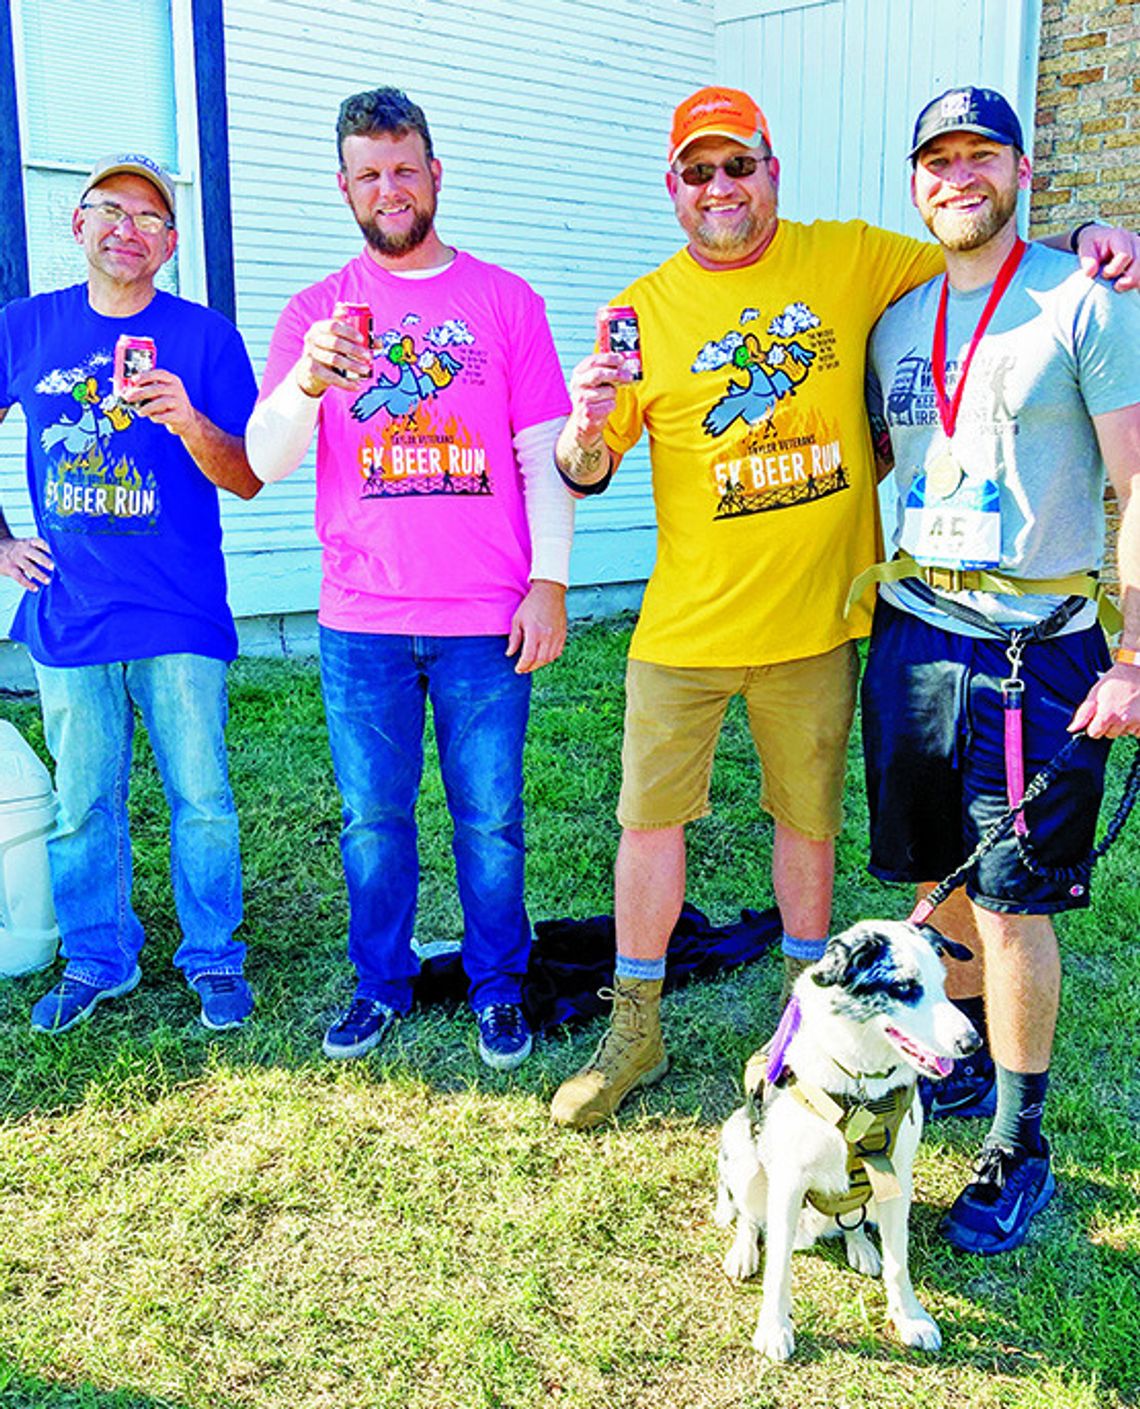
(358, 1029)
(969, 1090)
(992, 1214)
(227, 1000)
(72, 1001)
(504, 1038)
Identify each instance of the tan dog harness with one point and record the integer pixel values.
(870, 1127)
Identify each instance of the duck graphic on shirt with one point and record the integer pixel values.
(91, 425)
(415, 377)
(91, 485)
(772, 375)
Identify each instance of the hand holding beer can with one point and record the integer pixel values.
(133, 357)
(618, 331)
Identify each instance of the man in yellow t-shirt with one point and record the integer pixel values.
(752, 340)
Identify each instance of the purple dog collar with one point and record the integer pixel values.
(782, 1040)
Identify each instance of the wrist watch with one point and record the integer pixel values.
(1125, 655)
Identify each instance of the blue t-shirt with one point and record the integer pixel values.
(132, 522)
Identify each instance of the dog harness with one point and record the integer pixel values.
(870, 1126)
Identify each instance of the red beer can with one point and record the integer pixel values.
(133, 357)
(618, 331)
(359, 315)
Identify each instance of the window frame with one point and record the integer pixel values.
(201, 181)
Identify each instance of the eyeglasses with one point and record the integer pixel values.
(146, 222)
(700, 173)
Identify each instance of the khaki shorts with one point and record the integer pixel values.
(800, 716)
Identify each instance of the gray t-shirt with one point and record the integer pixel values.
(1060, 349)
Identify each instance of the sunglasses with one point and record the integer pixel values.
(700, 173)
(107, 213)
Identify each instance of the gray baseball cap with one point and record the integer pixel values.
(133, 164)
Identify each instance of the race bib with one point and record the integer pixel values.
(952, 521)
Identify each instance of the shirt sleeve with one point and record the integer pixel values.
(549, 507)
(623, 429)
(7, 391)
(894, 264)
(285, 346)
(537, 386)
(232, 387)
(1106, 336)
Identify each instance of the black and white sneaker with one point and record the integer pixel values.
(359, 1028)
(505, 1040)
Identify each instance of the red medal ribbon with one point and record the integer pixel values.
(947, 408)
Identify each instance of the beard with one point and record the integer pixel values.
(404, 242)
(969, 230)
(735, 241)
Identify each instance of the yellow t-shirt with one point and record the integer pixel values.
(763, 477)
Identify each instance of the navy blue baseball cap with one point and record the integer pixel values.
(980, 110)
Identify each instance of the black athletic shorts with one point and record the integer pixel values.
(934, 753)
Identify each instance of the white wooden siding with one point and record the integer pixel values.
(841, 82)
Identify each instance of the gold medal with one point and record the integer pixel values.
(943, 475)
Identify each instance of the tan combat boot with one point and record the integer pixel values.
(631, 1054)
(757, 1063)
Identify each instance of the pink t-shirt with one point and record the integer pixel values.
(420, 506)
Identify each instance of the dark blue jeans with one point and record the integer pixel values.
(375, 688)
(89, 725)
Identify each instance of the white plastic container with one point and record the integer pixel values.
(29, 935)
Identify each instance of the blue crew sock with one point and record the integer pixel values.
(806, 950)
(639, 968)
(1020, 1106)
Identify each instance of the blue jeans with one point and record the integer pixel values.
(374, 688)
(89, 724)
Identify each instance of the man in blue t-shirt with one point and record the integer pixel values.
(1010, 390)
(125, 588)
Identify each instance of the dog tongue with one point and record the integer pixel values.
(943, 1066)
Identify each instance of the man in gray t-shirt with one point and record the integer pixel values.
(1007, 391)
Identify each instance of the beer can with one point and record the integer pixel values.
(133, 357)
(359, 315)
(618, 331)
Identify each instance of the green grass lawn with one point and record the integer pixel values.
(206, 1222)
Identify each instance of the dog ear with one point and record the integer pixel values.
(829, 970)
(943, 946)
(848, 954)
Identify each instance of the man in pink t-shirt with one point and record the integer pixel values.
(446, 537)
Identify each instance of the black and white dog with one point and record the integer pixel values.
(836, 1122)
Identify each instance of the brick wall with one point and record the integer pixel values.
(1086, 152)
(1086, 149)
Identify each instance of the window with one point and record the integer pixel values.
(121, 75)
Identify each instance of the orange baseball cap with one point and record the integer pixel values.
(717, 112)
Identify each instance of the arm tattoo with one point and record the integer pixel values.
(585, 462)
